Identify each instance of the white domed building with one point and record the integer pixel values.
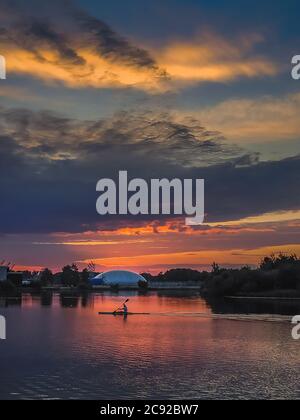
(119, 278)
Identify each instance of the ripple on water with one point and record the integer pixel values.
(63, 353)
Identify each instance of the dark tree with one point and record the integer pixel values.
(70, 276)
(85, 275)
(46, 278)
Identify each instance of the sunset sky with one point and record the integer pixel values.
(173, 88)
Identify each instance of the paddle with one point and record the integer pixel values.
(127, 300)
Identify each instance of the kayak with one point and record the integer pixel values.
(122, 313)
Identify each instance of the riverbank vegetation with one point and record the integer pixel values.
(177, 275)
(7, 288)
(277, 276)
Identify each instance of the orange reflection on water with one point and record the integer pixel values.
(78, 353)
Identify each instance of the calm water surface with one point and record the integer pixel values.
(59, 348)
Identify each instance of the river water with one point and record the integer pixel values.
(58, 347)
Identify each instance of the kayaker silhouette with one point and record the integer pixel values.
(122, 309)
(125, 309)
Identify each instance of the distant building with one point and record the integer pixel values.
(15, 277)
(118, 278)
(3, 273)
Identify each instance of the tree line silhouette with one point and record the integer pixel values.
(277, 276)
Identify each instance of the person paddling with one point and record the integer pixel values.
(125, 309)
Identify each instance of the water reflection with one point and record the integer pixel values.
(59, 347)
(176, 301)
(10, 301)
(252, 306)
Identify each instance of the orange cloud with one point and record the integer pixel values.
(95, 72)
(153, 228)
(211, 58)
(226, 257)
(275, 217)
(267, 118)
(86, 243)
(207, 59)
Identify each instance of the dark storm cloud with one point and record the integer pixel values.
(62, 27)
(237, 192)
(110, 44)
(38, 33)
(49, 167)
(163, 136)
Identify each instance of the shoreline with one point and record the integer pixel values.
(261, 298)
(98, 289)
